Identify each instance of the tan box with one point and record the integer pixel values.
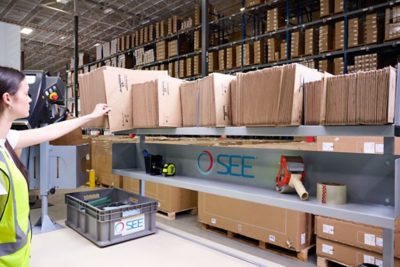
(311, 42)
(349, 233)
(326, 7)
(162, 50)
(73, 138)
(172, 48)
(259, 52)
(196, 65)
(197, 40)
(248, 54)
(283, 50)
(230, 58)
(339, 6)
(351, 144)
(347, 255)
(297, 44)
(221, 59)
(282, 227)
(326, 38)
(212, 61)
(355, 32)
(273, 46)
(182, 68)
(189, 66)
(339, 35)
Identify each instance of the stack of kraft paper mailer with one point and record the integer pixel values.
(314, 101)
(113, 86)
(157, 103)
(272, 96)
(366, 98)
(206, 102)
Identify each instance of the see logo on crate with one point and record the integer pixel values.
(129, 225)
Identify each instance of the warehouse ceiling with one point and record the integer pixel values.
(50, 45)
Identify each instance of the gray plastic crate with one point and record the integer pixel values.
(128, 217)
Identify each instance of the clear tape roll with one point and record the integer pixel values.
(332, 193)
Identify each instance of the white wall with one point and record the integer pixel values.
(10, 45)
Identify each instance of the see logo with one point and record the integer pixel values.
(225, 164)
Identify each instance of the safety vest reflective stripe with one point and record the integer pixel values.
(21, 238)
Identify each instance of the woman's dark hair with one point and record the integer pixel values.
(10, 80)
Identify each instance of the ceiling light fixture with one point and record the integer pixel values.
(242, 9)
(63, 1)
(62, 37)
(108, 11)
(26, 31)
(96, 44)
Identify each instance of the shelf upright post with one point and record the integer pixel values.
(204, 38)
(142, 140)
(243, 33)
(76, 56)
(287, 31)
(346, 32)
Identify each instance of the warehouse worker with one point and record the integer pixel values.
(15, 233)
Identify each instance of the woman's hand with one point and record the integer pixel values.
(100, 110)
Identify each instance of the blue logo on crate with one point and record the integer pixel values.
(129, 225)
(225, 164)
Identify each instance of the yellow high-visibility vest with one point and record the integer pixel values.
(15, 229)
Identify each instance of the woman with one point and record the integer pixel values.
(15, 230)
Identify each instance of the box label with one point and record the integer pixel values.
(327, 249)
(379, 148)
(327, 146)
(328, 229)
(129, 225)
(213, 220)
(271, 238)
(303, 238)
(369, 147)
(369, 240)
(369, 259)
(379, 262)
(379, 241)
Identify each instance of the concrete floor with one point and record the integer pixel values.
(185, 223)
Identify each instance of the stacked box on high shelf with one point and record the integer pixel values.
(392, 23)
(250, 3)
(182, 68)
(339, 6)
(212, 61)
(172, 48)
(238, 55)
(145, 35)
(151, 32)
(365, 62)
(355, 33)
(230, 57)
(310, 64)
(189, 67)
(311, 42)
(162, 51)
(339, 35)
(275, 19)
(196, 65)
(197, 15)
(325, 65)
(283, 52)
(326, 8)
(273, 46)
(326, 38)
(259, 52)
(371, 29)
(221, 59)
(173, 24)
(141, 36)
(338, 66)
(161, 29)
(136, 38)
(248, 51)
(197, 40)
(176, 71)
(148, 56)
(106, 49)
(297, 44)
(171, 68)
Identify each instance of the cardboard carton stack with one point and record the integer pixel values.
(339, 35)
(275, 19)
(161, 29)
(289, 229)
(173, 24)
(206, 102)
(145, 35)
(176, 69)
(250, 3)
(162, 51)
(311, 42)
(273, 46)
(365, 62)
(148, 56)
(338, 66)
(326, 7)
(365, 98)
(248, 54)
(349, 243)
(339, 6)
(196, 65)
(272, 96)
(172, 48)
(283, 51)
(230, 58)
(221, 59)
(197, 40)
(171, 68)
(310, 63)
(297, 44)
(151, 32)
(392, 23)
(212, 61)
(239, 55)
(157, 103)
(259, 52)
(355, 33)
(325, 65)
(197, 15)
(371, 29)
(112, 86)
(326, 38)
(182, 68)
(189, 66)
(315, 101)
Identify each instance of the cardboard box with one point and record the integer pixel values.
(259, 52)
(339, 6)
(297, 44)
(339, 35)
(73, 138)
(221, 59)
(347, 255)
(326, 38)
(172, 199)
(351, 144)
(112, 86)
(311, 42)
(282, 227)
(326, 7)
(349, 233)
(206, 101)
(157, 103)
(230, 58)
(212, 61)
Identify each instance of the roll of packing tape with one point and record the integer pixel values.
(332, 193)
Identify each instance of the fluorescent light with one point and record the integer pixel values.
(62, 37)
(108, 10)
(26, 31)
(63, 1)
(242, 9)
(96, 44)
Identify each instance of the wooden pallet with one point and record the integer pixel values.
(172, 215)
(300, 255)
(324, 262)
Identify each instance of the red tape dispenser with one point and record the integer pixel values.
(291, 176)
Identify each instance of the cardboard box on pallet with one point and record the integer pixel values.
(172, 199)
(172, 48)
(285, 228)
(112, 86)
(248, 54)
(338, 66)
(283, 53)
(371, 29)
(182, 68)
(274, 19)
(347, 255)
(206, 102)
(197, 41)
(196, 65)
(157, 103)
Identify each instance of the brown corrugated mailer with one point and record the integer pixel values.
(206, 101)
(157, 103)
(272, 96)
(112, 86)
(363, 98)
(285, 228)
